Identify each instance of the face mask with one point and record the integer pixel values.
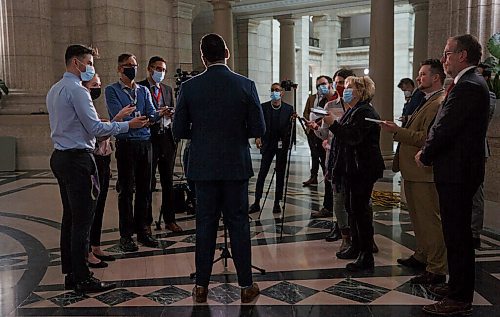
(130, 72)
(323, 89)
(340, 90)
(407, 94)
(348, 97)
(158, 76)
(275, 95)
(88, 74)
(95, 93)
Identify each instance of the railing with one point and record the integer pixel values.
(354, 42)
(313, 42)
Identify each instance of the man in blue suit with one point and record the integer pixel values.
(219, 111)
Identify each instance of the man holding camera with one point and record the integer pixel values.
(162, 140)
(133, 155)
(275, 142)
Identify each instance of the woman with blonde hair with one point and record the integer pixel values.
(355, 163)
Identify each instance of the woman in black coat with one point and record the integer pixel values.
(356, 163)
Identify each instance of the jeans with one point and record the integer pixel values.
(73, 172)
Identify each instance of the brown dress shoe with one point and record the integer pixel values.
(200, 294)
(311, 181)
(439, 291)
(428, 278)
(448, 307)
(172, 226)
(248, 294)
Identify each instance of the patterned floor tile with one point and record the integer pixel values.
(116, 296)
(320, 224)
(416, 290)
(190, 239)
(291, 230)
(288, 292)
(224, 293)
(163, 244)
(33, 298)
(168, 295)
(68, 298)
(357, 291)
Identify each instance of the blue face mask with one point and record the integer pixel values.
(158, 76)
(275, 95)
(323, 89)
(348, 96)
(88, 74)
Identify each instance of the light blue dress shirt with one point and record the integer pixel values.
(74, 123)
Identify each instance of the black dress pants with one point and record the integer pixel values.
(265, 164)
(133, 158)
(455, 203)
(74, 172)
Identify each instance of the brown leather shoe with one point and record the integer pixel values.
(172, 226)
(428, 278)
(311, 181)
(448, 307)
(439, 291)
(200, 294)
(248, 294)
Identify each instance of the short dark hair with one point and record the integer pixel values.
(123, 57)
(470, 44)
(436, 68)
(274, 84)
(344, 73)
(155, 59)
(486, 70)
(406, 81)
(213, 47)
(78, 51)
(328, 78)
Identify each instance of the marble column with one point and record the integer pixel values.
(247, 61)
(25, 59)
(495, 13)
(420, 38)
(287, 52)
(473, 17)
(485, 24)
(327, 28)
(223, 24)
(382, 65)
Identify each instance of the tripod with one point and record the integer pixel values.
(225, 255)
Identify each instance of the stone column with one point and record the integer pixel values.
(327, 28)
(473, 17)
(25, 59)
(287, 52)
(420, 39)
(382, 64)
(485, 24)
(223, 24)
(463, 14)
(247, 61)
(495, 11)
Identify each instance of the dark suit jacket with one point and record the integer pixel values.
(455, 144)
(219, 110)
(166, 96)
(285, 125)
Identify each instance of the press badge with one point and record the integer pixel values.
(280, 144)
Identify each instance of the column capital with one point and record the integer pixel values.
(250, 24)
(287, 19)
(221, 4)
(420, 5)
(184, 10)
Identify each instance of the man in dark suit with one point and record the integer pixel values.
(219, 111)
(275, 142)
(455, 148)
(162, 140)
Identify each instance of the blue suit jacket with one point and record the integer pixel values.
(219, 111)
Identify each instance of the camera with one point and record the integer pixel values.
(181, 76)
(287, 85)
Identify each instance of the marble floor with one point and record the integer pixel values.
(303, 276)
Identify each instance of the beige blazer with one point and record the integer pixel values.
(412, 137)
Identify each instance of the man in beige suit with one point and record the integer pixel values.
(420, 190)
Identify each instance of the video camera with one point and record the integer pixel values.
(287, 85)
(181, 76)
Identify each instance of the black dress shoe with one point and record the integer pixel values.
(276, 208)
(148, 241)
(98, 265)
(413, 263)
(364, 262)
(348, 254)
(439, 291)
(93, 285)
(476, 242)
(69, 282)
(255, 207)
(107, 258)
(334, 234)
(428, 278)
(128, 245)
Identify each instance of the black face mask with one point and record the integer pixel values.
(95, 93)
(130, 72)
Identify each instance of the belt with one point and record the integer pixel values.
(132, 141)
(75, 151)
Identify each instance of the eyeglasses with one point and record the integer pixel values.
(276, 90)
(129, 65)
(448, 53)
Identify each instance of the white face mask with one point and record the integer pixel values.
(407, 93)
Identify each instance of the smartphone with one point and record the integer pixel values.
(137, 114)
(319, 111)
(374, 120)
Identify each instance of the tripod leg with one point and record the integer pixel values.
(267, 193)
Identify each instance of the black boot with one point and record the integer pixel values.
(348, 254)
(362, 263)
(334, 234)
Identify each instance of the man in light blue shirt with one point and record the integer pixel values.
(74, 125)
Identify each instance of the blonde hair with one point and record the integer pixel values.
(364, 85)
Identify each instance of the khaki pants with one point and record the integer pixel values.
(423, 206)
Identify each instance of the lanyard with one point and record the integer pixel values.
(133, 100)
(157, 95)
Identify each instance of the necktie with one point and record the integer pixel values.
(450, 88)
